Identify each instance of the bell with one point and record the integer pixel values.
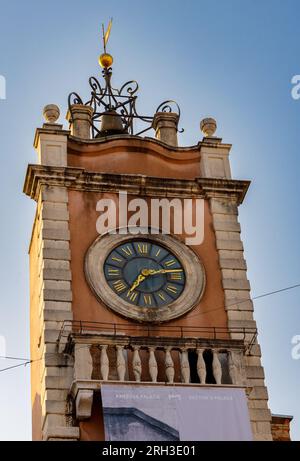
(111, 123)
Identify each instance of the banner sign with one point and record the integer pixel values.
(164, 413)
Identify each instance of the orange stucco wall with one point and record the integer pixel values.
(83, 217)
(134, 156)
(35, 329)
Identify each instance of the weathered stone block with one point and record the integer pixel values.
(255, 350)
(252, 361)
(252, 382)
(54, 194)
(235, 274)
(226, 263)
(61, 433)
(222, 206)
(51, 253)
(263, 427)
(58, 360)
(57, 315)
(240, 315)
(51, 336)
(55, 244)
(58, 306)
(56, 211)
(54, 394)
(53, 224)
(56, 234)
(55, 407)
(259, 393)
(249, 324)
(255, 372)
(56, 274)
(53, 421)
(238, 304)
(222, 225)
(58, 382)
(259, 414)
(229, 245)
(55, 264)
(236, 284)
(237, 295)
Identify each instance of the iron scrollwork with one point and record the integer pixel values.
(122, 102)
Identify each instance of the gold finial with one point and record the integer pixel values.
(106, 59)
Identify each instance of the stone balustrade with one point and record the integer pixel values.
(126, 362)
(103, 357)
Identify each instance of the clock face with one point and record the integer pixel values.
(144, 273)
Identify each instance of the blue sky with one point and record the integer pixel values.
(232, 60)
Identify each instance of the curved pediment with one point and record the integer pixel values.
(134, 155)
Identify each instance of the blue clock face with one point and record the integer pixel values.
(145, 274)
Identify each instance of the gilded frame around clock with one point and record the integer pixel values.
(190, 297)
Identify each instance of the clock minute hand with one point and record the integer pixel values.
(147, 272)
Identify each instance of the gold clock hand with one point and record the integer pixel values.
(136, 283)
(147, 272)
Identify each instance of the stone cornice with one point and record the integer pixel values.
(80, 179)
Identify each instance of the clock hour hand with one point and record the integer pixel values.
(136, 283)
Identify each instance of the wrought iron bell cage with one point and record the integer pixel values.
(120, 104)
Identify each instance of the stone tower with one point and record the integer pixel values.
(135, 306)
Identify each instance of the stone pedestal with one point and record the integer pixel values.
(165, 125)
(80, 118)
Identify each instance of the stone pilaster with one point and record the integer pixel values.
(214, 161)
(52, 290)
(55, 297)
(239, 307)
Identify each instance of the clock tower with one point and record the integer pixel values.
(138, 283)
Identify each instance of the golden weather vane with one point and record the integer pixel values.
(106, 59)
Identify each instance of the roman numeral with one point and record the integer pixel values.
(161, 296)
(118, 260)
(172, 289)
(119, 285)
(114, 272)
(147, 299)
(175, 276)
(127, 250)
(143, 248)
(132, 295)
(171, 262)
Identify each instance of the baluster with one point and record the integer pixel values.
(136, 364)
(153, 369)
(185, 366)
(216, 366)
(236, 368)
(169, 365)
(121, 365)
(104, 363)
(233, 368)
(201, 366)
(83, 365)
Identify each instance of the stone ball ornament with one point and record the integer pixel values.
(51, 113)
(208, 126)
